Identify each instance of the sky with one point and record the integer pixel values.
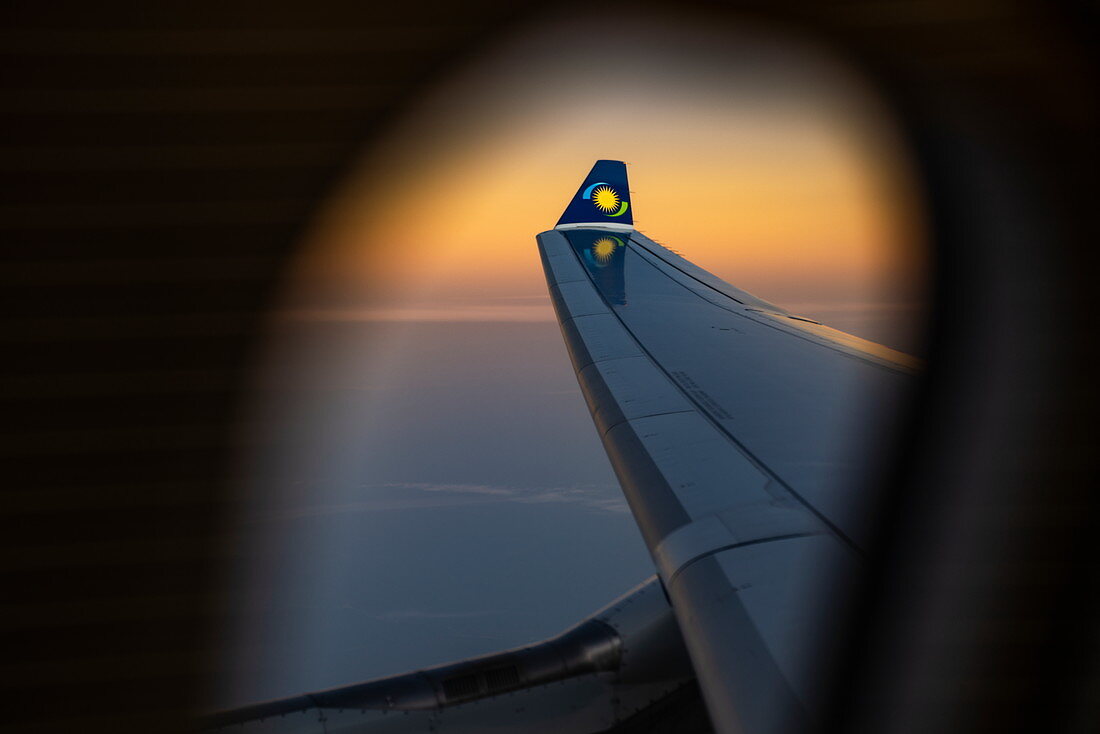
(764, 161)
(429, 485)
(453, 502)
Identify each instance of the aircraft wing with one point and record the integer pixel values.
(746, 441)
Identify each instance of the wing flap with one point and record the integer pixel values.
(753, 618)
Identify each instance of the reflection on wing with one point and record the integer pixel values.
(602, 253)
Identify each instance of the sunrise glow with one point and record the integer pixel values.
(775, 169)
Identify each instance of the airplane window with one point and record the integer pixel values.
(439, 490)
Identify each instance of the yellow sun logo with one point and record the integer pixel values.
(605, 199)
(603, 249)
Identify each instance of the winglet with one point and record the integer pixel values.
(603, 200)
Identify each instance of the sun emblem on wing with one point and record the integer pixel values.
(603, 249)
(605, 199)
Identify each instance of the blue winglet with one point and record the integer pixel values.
(603, 200)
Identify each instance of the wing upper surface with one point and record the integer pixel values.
(743, 437)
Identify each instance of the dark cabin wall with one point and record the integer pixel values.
(160, 161)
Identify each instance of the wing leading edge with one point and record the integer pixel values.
(744, 439)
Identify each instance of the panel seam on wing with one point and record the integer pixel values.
(616, 424)
(758, 541)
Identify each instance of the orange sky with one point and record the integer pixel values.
(761, 160)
